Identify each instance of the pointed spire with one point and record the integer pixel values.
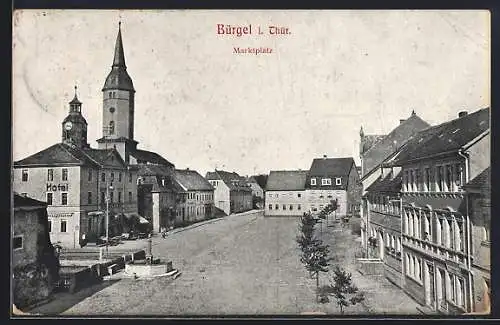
(361, 132)
(413, 113)
(119, 58)
(75, 98)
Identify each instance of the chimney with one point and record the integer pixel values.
(325, 156)
(462, 114)
(401, 121)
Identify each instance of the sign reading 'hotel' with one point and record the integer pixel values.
(58, 187)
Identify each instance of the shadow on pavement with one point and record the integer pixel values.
(64, 300)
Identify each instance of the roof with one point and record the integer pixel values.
(286, 180)
(445, 137)
(118, 78)
(390, 143)
(369, 140)
(153, 170)
(331, 166)
(481, 181)
(23, 201)
(143, 156)
(234, 181)
(63, 154)
(389, 183)
(192, 181)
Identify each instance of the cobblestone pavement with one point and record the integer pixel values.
(242, 264)
(381, 296)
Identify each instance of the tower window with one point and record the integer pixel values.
(109, 95)
(64, 174)
(112, 127)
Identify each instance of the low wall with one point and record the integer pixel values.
(370, 266)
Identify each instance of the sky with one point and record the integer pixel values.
(202, 106)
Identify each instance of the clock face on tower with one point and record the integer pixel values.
(68, 125)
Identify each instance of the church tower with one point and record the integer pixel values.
(118, 106)
(74, 126)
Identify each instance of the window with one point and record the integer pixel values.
(458, 177)
(64, 198)
(50, 175)
(90, 176)
(103, 177)
(50, 226)
(427, 179)
(64, 174)
(112, 176)
(109, 94)
(299, 195)
(103, 197)
(63, 225)
(284, 207)
(119, 196)
(270, 206)
(111, 127)
(298, 207)
(338, 181)
(130, 196)
(407, 181)
(24, 175)
(326, 181)
(449, 176)
(313, 181)
(89, 198)
(130, 177)
(277, 207)
(17, 242)
(440, 179)
(119, 177)
(291, 207)
(111, 196)
(49, 198)
(418, 180)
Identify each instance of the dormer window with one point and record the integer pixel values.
(313, 181)
(326, 181)
(338, 181)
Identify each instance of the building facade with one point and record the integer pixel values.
(197, 196)
(436, 228)
(331, 179)
(257, 193)
(231, 192)
(35, 266)
(75, 181)
(377, 149)
(285, 193)
(479, 208)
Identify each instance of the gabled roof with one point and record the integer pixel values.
(331, 166)
(481, 181)
(22, 201)
(234, 181)
(61, 154)
(390, 143)
(389, 183)
(192, 181)
(369, 140)
(286, 180)
(445, 137)
(150, 157)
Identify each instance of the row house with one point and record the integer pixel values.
(436, 229)
(196, 195)
(285, 193)
(78, 183)
(479, 207)
(232, 194)
(35, 267)
(376, 149)
(330, 179)
(384, 220)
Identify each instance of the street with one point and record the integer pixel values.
(239, 265)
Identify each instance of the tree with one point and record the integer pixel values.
(314, 254)
(341, 289)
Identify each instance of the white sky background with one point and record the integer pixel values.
(201, 106)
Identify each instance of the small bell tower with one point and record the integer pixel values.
(74, 126)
